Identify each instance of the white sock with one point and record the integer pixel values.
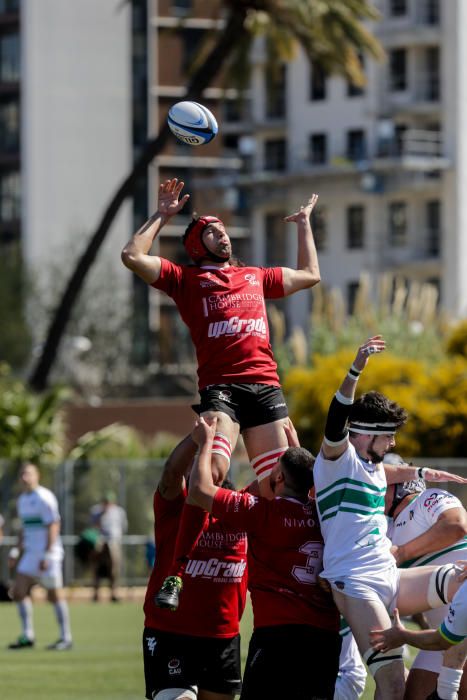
(449, 681)
(25, 613)
(63, 619)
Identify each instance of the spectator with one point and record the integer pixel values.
(111, 521)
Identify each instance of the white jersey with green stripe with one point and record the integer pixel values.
(350, 497)
(454, 626)
(419, 516)
(37, 510)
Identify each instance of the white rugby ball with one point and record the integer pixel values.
(192, 123)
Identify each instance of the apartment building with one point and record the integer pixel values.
(388, 161)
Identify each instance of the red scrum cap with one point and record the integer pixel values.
(192, 238)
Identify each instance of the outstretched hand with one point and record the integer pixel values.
(438, 475)
(304, 211)
(204, 430)
(373, 345)
(383, 640)
(169, 202)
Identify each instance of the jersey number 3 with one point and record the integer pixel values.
(314, 563)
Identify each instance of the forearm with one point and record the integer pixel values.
(307, 256)
(430, 640)
(52, 534)
(202, 488)
(442, 534)
(142, 240)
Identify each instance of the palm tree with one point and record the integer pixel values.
(332, 34)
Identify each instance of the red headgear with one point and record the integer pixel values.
(193, 238)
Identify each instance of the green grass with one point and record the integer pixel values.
(105, 663)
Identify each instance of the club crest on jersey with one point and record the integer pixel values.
(225, 396)
(251, 279)
(174, 667)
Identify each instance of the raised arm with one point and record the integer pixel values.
(135, 254)
(202, 489)
(336, 435)
(175, 469)
(307, 273)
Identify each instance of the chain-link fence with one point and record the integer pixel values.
(79, 486)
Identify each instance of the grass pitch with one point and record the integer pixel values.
(105, 663)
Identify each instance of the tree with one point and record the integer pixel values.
(330, 32)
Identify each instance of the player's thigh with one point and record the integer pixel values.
(208, 695)
(262, 440)
(420, 684)
(22, 586)
(414, 587)
(293, 662)
(169, 661)
(362, 615)
(230, 429)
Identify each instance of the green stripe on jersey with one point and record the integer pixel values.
(428, 558)
(343, 509)
(353, 482)
(33, 522)
(352, 497)
(449, 636)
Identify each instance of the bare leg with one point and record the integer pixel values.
(261, 440)
(363, 616)
(413, 591)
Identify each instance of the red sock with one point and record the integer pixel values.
(191, 526)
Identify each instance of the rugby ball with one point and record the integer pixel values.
(192, 123)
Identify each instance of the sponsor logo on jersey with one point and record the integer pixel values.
(251, 278)
(216, 569)
(151, 642)
(225, 396)
(434, 499)
(238, 326)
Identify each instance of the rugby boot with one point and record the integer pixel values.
(168, 595)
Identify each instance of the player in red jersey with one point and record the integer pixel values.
(223, 305)
(294, 650)
(194, 652)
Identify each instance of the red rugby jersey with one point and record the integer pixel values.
(285, 550)
(215, 582)
(225, 312)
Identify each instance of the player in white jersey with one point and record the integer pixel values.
(40, 559)
(350, 487)
(427, 526)
(451, 632)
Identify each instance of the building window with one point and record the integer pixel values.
(352, 291)
(318, 83)
(276, 239)
(318, 149)
(9, 126)
(191, 40)
(319, 227)
(397, 8)
(355, 226)
(276, 77)
(432, 74)
(9, 6)
(275, 154)
(432, 13)
(398, 70)
(433, 223)
(182, 7)
(10, 197)
(9, 58)
(397, 224)
(356, 145)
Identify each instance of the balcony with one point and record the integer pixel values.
(422, 96)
